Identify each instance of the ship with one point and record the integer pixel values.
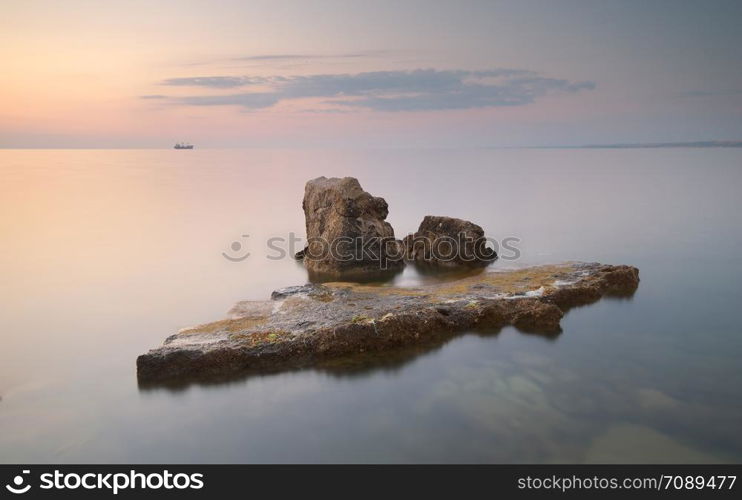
(183, 145)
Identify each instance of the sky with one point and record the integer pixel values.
(327, 73)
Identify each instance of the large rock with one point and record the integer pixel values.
(347, 233)
(446, 241)
(307, 325)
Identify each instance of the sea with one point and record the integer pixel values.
(105, 253)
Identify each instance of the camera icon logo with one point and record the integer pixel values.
(17, 486)
(235, 249)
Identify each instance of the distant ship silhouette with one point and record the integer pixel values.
(183, 145)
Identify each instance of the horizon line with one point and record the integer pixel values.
(627, 145)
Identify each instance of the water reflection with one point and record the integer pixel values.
(431, 273)
(356, 365)
(380, 277)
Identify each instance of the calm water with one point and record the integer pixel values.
(105, 253)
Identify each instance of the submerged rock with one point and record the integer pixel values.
(302, 326)
(446, 241)
(347, 233)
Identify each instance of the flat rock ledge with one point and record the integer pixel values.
(302, 326)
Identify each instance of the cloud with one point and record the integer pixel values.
(218, 82)
(253, 100)
(294, 58)
(710, 93)
(153, 96)
(273, 57)
(283, 57)
(415, 90)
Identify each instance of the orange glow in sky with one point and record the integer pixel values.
(100, 74)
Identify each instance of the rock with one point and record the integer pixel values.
(298, 290)
(304, 325)
(449, 242)
(347, 233)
